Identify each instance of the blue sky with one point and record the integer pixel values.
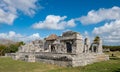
(40, 18)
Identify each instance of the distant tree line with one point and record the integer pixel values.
(9, 48)
(112, 48)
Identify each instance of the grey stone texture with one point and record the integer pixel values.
(68, 50)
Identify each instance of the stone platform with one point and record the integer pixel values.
(65, 60)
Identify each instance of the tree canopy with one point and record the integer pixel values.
(96, 39)
(11, 48)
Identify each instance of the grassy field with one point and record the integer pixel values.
(9, 65)
(106, 66)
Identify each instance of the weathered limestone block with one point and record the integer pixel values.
(31, 58)
(79, 46)
(100, 49)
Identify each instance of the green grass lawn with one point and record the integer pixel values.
(10, 65)
(106, 66)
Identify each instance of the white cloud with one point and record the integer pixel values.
(11, 35)
(7, 17)
(34, 36)
(71, 23)
(26, 6)
(9, 9)
(110, 32)
(100, 15)
(54, 22)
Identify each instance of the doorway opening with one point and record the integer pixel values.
(69, 47)
(52, 48)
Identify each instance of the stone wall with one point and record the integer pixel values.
(84, 59)
(79, 46)
(66, 60)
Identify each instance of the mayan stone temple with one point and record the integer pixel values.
(68, 50)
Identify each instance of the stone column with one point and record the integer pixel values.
(49, 48)
(86, 45)
(100, 47)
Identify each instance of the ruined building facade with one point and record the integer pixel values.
(67, 50)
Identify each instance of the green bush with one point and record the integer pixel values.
(11, 48)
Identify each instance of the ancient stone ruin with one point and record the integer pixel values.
(68, 50)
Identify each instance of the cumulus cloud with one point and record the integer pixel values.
(11, 35)
(7, 17)
(100, 15)
(110, 32)
(9, 9)
(54, 22)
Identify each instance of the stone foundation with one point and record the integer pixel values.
(65, 60)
